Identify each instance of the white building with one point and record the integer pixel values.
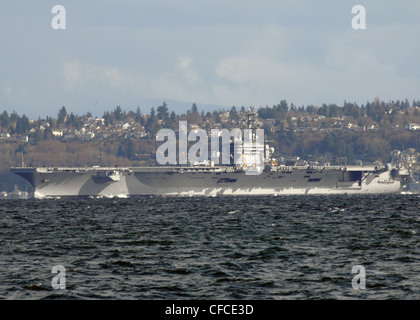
(57, 133)
(412, 126)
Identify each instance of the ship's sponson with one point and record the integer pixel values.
(208, 181)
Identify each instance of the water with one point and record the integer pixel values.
(257, 248)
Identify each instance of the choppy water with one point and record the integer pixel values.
(211, 248)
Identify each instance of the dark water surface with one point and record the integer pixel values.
(211, 248)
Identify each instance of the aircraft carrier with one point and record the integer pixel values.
(213, 180)
(98, 182)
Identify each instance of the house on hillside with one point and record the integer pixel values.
(412, 126)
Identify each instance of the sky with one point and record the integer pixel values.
(217, 54)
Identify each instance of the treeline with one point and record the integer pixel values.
(375, 110)
(14, 123)
(282, 133)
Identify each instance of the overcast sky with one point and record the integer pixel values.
(215, 53)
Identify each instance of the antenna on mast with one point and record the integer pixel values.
(23, 163)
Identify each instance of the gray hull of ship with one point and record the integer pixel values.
(215, 181)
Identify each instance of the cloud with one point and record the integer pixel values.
(212, 52)
(77, 75)
(258, 66)
(107, 82)
(353, 66)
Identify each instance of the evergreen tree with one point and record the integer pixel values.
(233, 114)
(14, 116)
(107, 119)
(283, 107)
(50, 122)
(152, 124)
(62, 114)
(310, 109)
(22, 125)
(118, 114)
(4, 120)
(163, 112)
(48, 133)
(194, 115)
(139, 116)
